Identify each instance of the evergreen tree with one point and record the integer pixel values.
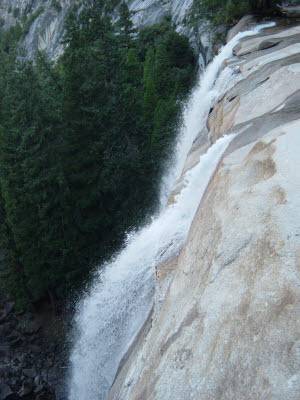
(27, 178)
(150, 91)
(82, 145)
(125, 26)
(162, 71)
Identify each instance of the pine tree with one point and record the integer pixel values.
(125, 26)
(150, 91)
(162, 71)
(75, 136)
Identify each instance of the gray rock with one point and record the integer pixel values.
(8, 307)
(44, 374)
(29, 372)
(5, 328)
(5, 350)
(35, 349)
(25, 390)
(12, 382)
(236, 344)
(291, 12)
(241, 26)
(6, 392)
(48, 363)
(60, 393)
(38, 340)
(31, 328)
(37, 380)
(20, 357)
(51, 347)
(14, 342)
(42, 395)
(4, 371)
(39, 389)
(52, 375)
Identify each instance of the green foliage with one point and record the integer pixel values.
(55, 4)
(227, 12)
(16, 12)
(124, 23)
(9, 38)
(82, 144)
(24, 18)
(9, 10)
(32, 17)
(28, 174)
(217, 12)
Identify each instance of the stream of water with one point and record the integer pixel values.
(110, 314)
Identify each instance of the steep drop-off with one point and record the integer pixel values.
(226, 317)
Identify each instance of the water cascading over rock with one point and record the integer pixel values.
(227, 325)
(111, 314)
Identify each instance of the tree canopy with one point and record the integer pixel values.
(82, 144)
(227, 12)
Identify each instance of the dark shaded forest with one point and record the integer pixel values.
(82, 144)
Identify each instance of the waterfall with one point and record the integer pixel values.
(110, 315)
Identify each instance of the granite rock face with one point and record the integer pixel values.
(228, 323)
(47, 26)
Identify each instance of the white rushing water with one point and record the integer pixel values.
(121, 297)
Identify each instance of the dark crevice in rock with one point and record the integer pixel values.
(231, 99)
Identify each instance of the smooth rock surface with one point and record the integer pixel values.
(255, 44)
(228, 326)
(291, 12)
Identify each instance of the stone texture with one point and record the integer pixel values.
(30, 366)
(47, 29)
(256, 43)
(5, 392)
(31, 328)
(227, 327)
(291, 12)
(241, 26)
(29, 372)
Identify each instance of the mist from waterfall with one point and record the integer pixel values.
(110, 314)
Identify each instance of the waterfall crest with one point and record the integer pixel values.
(110, 315)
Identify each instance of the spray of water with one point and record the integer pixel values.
(118, 303)
(197, 108)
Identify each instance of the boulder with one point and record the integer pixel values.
(35, 349)
(5, 392)
(25, 390)
(39, 389)
(31, 328)
(5, 350)
(52, 375)
(4, 371)
(5, 328)
(8, 307)
(29, 372)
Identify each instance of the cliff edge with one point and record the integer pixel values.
(227, 322)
